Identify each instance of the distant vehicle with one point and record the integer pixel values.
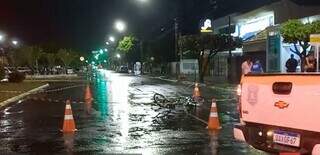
(8, 70)
(279, 112)
(25, 70)
(123, 69)
(70, 71)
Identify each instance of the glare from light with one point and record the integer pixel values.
(269, 133)
(1, 37)
(107, 43)
(239, 90)
(120, 26)
(14, 42)
(260, 133)
(112, 39)
(118, 56)
(101, 51)
(106, 50)
(81, 58)
(143, 1)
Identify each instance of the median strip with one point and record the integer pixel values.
(11, 92)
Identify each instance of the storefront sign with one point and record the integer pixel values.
(315, 38)
(206, 26)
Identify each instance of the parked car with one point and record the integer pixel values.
(25, 70)
(70, 71)
(123, 69)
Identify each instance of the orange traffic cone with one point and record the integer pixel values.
(68, 123)
(214, 123)
(88, 99)
(88, 95)
(196, 91)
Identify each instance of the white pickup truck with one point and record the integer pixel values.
(280, 112)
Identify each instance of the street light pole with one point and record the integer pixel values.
(176, 27)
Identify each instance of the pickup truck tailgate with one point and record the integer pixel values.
(291, 100)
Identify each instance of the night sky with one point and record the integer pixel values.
(84, 24)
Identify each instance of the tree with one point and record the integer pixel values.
(206, 46)
(51, 59)
(297, 33)
(66, 57)
(27, 56)
(126, 44)
(22, 56)
(128, 49)
(36, 53)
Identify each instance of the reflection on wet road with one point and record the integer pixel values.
(123, 119)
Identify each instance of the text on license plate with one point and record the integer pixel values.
(286, 138)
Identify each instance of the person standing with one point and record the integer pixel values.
(246, 66)
(257, 67)
(310, 64)
(291, 64)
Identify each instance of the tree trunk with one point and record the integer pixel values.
(204, 68)
(200, 62)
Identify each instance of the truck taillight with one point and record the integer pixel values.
(239, 100)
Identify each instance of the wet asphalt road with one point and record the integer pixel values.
(123, 119)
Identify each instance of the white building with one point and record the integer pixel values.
(259, 29)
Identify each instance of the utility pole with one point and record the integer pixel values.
(176, 33)
(141, 50)
(230, 50)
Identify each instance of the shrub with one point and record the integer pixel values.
(2, 72)
(16, 77)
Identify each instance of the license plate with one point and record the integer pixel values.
(286, 138)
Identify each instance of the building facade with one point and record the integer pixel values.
(259, 30)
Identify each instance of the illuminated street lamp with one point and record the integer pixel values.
(101, 51)
(107, 43)
(15, 42)
(112, 39)
(81, 58)
(118, 56)
(120, 26)
(1, 37)
(143, 1)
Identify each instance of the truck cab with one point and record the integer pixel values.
(280, 112)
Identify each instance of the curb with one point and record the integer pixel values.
(18, 97)
(188, 83)
(52, 80)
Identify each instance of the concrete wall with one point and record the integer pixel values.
(189, 66)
